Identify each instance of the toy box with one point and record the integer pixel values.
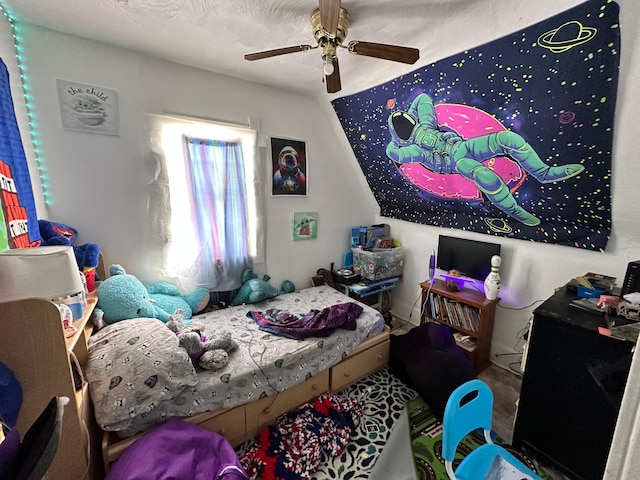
(378, 264)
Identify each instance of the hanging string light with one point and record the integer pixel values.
(28, 100)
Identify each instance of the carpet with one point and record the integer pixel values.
(426, 443)
(385, 397)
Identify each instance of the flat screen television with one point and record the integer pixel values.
(471, 258)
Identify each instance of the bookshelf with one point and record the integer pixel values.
(467, 312)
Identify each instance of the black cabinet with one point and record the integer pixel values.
(572, 387)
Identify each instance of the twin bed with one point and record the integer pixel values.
(138, 377)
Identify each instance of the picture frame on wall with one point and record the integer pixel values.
(304, 226)
(88, 108)
(289, 167)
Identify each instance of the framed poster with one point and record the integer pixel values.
(289, 165)
(88, 108)
(305, 226)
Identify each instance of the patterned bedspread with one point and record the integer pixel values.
(264, 364)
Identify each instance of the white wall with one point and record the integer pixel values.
(95, 180)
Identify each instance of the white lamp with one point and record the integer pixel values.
(49, 272)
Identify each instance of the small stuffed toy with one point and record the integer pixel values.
(59, 234)
(254, 290)
(209, 353)
(123, 296)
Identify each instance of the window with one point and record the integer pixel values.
(209, 225)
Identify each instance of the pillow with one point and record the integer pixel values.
(132, 367)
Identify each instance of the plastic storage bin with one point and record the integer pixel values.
(378, 264)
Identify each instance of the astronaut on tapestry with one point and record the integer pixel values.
(444, 149)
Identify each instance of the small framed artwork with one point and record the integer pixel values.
(88, 108)
(305, 225)
(289, 164)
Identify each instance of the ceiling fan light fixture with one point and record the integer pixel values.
(330, 24)
(327, 67)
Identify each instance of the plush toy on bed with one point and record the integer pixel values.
(209, 353)
(254, 289)
(123, 297)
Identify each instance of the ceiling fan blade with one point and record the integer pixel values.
(386, 52)
(277, 51)
(333, 80)
(329, 13)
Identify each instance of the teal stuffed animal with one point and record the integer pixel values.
(254, 290)
(123, 297)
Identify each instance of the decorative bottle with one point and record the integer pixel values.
(492, 282)
(432, 266)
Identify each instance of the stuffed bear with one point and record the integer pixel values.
(210, 354)
(123, 296)
(254, 290)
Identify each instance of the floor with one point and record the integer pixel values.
(505, 385)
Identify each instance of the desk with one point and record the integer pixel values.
(571, 389)
(364, 290)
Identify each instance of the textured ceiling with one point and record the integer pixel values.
(215, 34)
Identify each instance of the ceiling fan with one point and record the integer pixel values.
(330, 24)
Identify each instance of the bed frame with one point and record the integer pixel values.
(244, 422)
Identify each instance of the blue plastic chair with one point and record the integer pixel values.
(470, 407)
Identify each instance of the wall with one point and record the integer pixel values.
(96, 183)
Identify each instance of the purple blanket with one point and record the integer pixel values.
(312, 324)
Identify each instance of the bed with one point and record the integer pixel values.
(267, 375)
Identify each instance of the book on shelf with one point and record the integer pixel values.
(453, 312)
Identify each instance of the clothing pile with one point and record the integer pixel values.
(315, 323)
(292, 448)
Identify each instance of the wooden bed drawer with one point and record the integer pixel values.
(264, 411)
(358, 365)
(229, 423)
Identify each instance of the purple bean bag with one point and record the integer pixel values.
(178, 450)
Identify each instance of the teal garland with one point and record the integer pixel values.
(26, 88)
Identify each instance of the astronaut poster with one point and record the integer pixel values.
(512, 138)
(289, 167)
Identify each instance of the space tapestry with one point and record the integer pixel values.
(512, 138)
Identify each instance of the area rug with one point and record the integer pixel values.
(385, 398)
(426, 442)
